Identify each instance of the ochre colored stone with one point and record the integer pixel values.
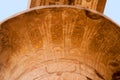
(59, 43)
(97, 5)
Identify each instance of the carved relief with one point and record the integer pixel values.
(35, 37)
(88, 3)
(91, 4)
(72, 67)
(64, 69)
(75, 44)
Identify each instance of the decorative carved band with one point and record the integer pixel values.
(97, 5)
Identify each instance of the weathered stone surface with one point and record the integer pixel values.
(97, 5)
(59, 43)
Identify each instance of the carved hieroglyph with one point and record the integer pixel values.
(97, 5)
(59, 43)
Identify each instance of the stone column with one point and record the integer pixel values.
(97, 5)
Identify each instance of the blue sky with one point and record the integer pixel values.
(11, 7)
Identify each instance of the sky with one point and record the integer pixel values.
(11, 7)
